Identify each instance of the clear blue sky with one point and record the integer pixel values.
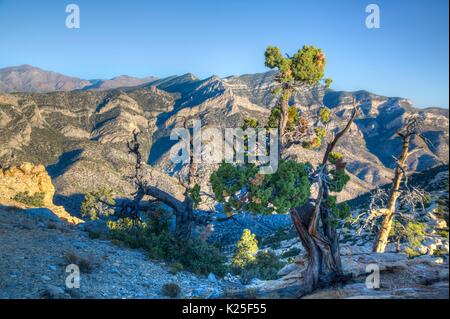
(407, 56)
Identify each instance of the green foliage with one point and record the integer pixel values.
(194, 193)
(93, 205)
(171, 290)
(321, 132)
(158, 221)
(292, 117)
(250, 123)
(35, 200)
(229, 179)
(265, 267)
(308, 65)
(287, 188)
(195, 255)
(334, 157)
(175, 268)
(328, 82)
(340, 211)
(274, 118)
(411, 231)
(314, 143)
(274, 58)
(415, 233)
(246, 249)
(338, 180)
(325, 115)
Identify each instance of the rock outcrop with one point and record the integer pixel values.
(31, 179)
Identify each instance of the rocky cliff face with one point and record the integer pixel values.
(30, 179)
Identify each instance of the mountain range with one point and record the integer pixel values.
(26, 78)
(78, 128)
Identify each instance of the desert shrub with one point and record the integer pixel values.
(86, 264)
(265, 267)
(246, 249)
(35, 200)
(411, 232)
(195, 255)
(175, 268)
(202, 258)
(95, 204)
(171, 290)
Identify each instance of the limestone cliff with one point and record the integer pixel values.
(33, 179)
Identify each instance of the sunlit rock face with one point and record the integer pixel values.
(30, 179)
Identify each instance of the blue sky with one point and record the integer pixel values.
(407, 56)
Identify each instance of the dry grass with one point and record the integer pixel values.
(171, 290)
(86, 264)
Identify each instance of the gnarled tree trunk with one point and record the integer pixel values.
(317, 234)
(324, 264)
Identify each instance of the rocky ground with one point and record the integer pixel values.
(33, 263)
(423, 277)
(34, 250)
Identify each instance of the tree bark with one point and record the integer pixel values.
(324, 265)
(386, 225)
(284, 114)
(184, 220)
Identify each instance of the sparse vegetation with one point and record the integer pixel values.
(171, 290)
(249, 263)
(97, 204)
(176, 268)
(86, 264)
(33, 200)
(265, 266)
(195, 255)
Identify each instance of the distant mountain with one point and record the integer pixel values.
(121, 81)
(27, 78)
(80, 135)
